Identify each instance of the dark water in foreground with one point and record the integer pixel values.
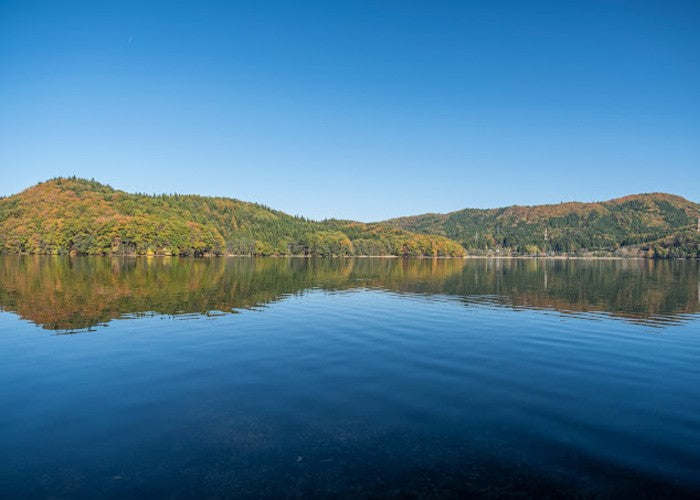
(356, 377)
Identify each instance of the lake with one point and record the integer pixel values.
(271, 377)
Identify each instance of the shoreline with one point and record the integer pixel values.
(431, 257)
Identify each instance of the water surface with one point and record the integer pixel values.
(361, 377)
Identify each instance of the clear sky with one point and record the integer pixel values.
(362, 110)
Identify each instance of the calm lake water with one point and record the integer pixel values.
(353, 377)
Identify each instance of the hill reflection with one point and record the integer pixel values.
(75, 293)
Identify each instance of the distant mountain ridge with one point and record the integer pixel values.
(78, 216)
(652, 225)
(72, 215)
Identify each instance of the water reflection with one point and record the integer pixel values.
(75, 293)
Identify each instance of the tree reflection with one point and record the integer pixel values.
(74, 293)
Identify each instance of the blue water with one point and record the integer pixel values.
(355, 387)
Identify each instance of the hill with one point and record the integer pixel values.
(652, 225)
(72, 215)
(72, 294)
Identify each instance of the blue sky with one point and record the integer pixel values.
(362, 110)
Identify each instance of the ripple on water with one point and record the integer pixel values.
(404, 382)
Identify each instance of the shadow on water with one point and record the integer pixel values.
(77, 293)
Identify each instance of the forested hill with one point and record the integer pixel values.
(652, 225)
(71, 215)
